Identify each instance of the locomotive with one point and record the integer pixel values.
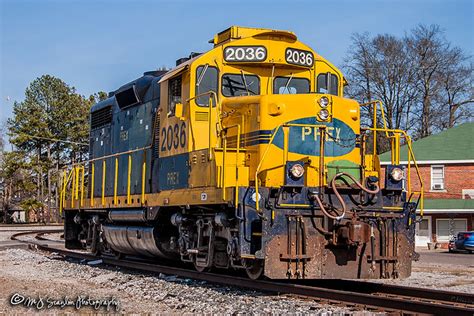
(248, 157)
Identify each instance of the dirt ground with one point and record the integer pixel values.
(441, 270)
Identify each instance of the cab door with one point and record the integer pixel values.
(203, 130)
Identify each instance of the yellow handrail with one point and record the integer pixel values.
(410, 158)
(92, 183)
(104, 166)
(143, 178)
(374, 104)
(236, 162)
(67, 176)
(76, 183)
(129, 201)
(82, 171)
(116, 181)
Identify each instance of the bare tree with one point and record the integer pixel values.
(379, 68)
(427, 48)
(457, 92)
(423, 82)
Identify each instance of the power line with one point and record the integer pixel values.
(53, 139)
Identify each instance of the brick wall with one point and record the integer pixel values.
(456, 178)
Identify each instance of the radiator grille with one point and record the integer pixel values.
(101, 117)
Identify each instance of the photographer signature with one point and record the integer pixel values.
(46, 302)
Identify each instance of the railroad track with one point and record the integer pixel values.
(364, 294)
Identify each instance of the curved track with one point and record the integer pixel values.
(360, 293)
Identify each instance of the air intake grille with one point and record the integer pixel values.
(101, 117)
(127, 97)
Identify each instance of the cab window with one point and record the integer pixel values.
(207, 79)
(289, 85)
(234, 85)
(327, 83)
(174, 94)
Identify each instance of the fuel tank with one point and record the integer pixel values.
(136, 240)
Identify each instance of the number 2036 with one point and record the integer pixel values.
(173, 137)
(299, 57)
(245, 53)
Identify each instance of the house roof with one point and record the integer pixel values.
(456, 143)
(446, 204)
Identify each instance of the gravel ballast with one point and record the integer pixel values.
(34, 274)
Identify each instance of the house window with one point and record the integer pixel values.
(437, 177)
(449, 227)
(468, 194)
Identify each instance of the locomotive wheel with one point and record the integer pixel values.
(118, 255)
(96, 252)
(254, 269)
(201, 269)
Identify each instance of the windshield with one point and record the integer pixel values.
(290, 85)
(239, 84)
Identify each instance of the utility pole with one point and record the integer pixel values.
(48, 214)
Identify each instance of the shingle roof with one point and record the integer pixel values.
(446, 204)
(456, 143)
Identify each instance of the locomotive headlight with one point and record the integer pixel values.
(297, 171)
(396, 174)
(323, 102)
(323, 114)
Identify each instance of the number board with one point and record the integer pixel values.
(299, 57)
(173, 137)
(245, 53)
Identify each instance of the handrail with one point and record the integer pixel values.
(143, 178)
(374, 104)
(92, 183)
(116, 181)
(68, 176)
(236, 162)
(129, 178)
(76, 176)
(82, 171)
(411, 156)
(104, 167)
(395, 146)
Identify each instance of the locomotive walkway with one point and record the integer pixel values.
(362, 294)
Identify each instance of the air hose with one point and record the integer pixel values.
(339, 197)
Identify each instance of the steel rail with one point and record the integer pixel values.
(38, 232)
(373, 287)
(360, 293)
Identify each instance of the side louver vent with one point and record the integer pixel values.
(201, 116)
(101, 117)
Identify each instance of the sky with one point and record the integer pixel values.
(99, 45)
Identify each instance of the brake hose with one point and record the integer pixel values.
(339, 197)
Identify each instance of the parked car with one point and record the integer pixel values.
(463, 241)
